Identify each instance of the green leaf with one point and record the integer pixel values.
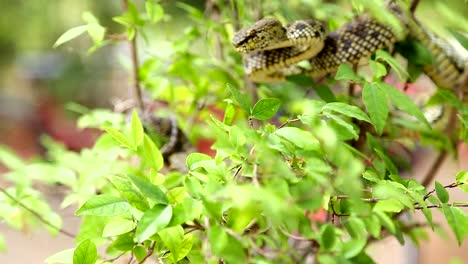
(265, 108)
(446, 96)
(462, 39)
(414, 51)
(152, 154)
(394, 64)
(119, 137)
(153, 221)
(371, 176)
(353, 247)
(62, 257)
(123, 242)
(441, 192)
(462, 179)
(300, 79)
(229, 114)
(346, 72)
(403, 102)
(457, 220)
(178, 244)
(225, 246)
(155, 11)
(378, 69)
(327, 237)
(70, 34)
(139, 252)
(347, 110)
(104, 205)
(242, 99)
(130, 192)
(376, 103)
(356, 228)
(194, 158)
(95, 30)
(345, 129)
(85, 253)
(118, 226)
(137, 130)
(386, 221)
(149, 190)
(325, 93)
(390, 205)
(299, 137)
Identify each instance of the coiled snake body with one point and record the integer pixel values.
(271, 51)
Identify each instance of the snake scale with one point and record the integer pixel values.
(271, 51)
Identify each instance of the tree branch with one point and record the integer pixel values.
(134, 58)
(37, 215)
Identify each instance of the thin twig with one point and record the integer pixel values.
(134, 58)
(37, 215)
(418, 207)
(115, 258)
(149, 253)
(289, 121)
(448, 186)
(413, 6)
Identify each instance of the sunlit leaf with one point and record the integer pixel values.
(265, 108)
(85, 253)
(153, 221)
(104, 205)
(70, 34)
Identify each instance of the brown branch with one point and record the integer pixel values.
(37, 215)
(418, 207)
(134, 58)
(289, 121)
(149, 253)
(449, 186)
(413, 6)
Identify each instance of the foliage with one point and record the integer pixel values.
(280, 161)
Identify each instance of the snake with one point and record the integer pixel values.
(272, 51)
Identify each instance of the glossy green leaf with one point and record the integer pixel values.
(154, 11)
(178, 244)
(378, 69)
(152, 154)
(356, 228)
(123, 242)
(353, 247)
(130, 192)
(325, 93)
(153, 221)
(457, 220)
(118, 226)
(139, 252)
(149, 190)
(346, 72)
(194, 159)
(229, 114)
(119, 137)
(394, 64)
(347, 110)
(441, 192)
(240, 98)
(266, 108)
(376, 103)
(225, 246)
(70, 34)
(137, 130)
(104, 205)
(327, 237)
(390, 205)
(403, 102)
(85, 253)
(299, 137)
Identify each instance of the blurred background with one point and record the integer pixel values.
(37, 83)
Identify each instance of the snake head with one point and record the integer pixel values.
(259, 35)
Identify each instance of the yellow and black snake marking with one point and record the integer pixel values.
(271, 51)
